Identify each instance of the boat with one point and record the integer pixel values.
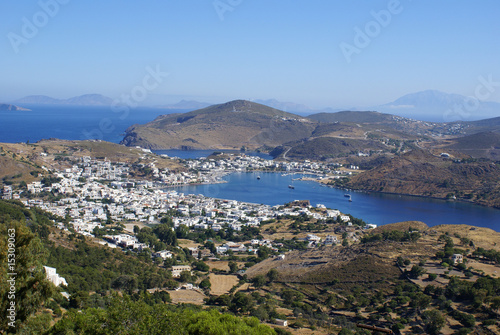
(291, 186)
(258, 177)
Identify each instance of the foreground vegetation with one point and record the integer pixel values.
(399, 277)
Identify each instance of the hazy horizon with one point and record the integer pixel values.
(319, 54)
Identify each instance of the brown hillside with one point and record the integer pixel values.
(225, 126)
(420, 173)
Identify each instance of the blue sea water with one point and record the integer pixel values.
(79, 123)
(71, 122)
(376, 208)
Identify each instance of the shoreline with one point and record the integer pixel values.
(403, 194)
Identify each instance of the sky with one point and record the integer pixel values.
(317, 52)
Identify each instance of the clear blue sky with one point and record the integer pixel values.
(283, 49)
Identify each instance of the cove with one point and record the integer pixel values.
(273, 189)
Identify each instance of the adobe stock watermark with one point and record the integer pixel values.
(223, 6)
(31, 27)
(371, 30)
(150, 82)
(11, 277)
(471, 104)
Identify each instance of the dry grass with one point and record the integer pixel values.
(482, 237)
(187, 297)
(221, 284)
(221, 265)
(187, 243)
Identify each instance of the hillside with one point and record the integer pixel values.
(328, 147)
(420, 173)
(480, 145)
(23, 162)
(231, 125)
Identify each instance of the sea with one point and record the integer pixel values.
(376, 208)
(72, 122)
(80, 123)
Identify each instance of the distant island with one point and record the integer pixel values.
(8, 107)
(82, 100)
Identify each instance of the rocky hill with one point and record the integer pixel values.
(231, 125)
(480, 145)
(420, 173)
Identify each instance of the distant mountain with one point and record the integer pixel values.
(231, 125)
(186, 104)
(8, 107)
(90, 100)
(82, 100)
(38, 100)
(352, 116)
(439, 106)
(285, 106)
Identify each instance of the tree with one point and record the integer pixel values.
(32, 288)
(241, 303)
(433, 321)
(416, 271)
(420, 301)
(211, 246)
(185, 276)
(272, 275)
(291, 296)
(263, 252)
(233, 267)
(259, 281)
(165, 234)
(205, 284)
(201, 266)
(495, 303)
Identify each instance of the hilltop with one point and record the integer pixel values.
(231, 125)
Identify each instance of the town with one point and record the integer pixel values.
(95, 192)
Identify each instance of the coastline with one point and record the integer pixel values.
(322, 182)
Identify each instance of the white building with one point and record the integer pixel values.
(54, 277)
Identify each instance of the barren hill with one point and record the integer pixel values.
(484, 144)
(420, 173)
(226, 126)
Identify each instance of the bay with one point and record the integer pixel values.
(83, 122)
(272, 189)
